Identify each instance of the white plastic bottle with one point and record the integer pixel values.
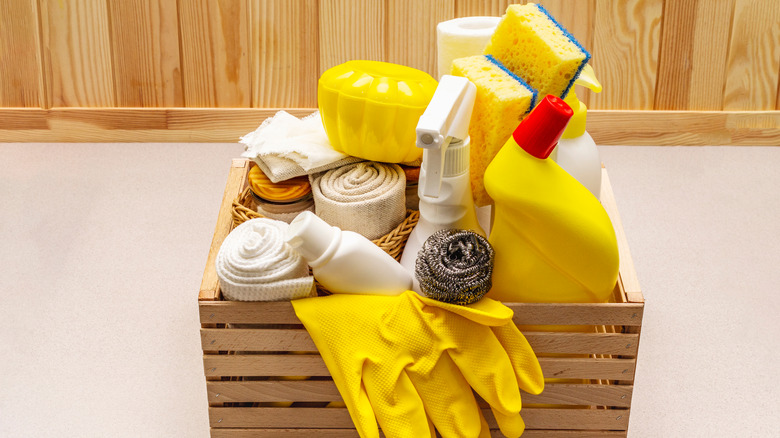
(444, 187)
(345, 261)
(576, 152)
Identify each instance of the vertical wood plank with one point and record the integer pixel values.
(20, 55)
(411, 31)
(490, 8)
(284, 53)
(625, 52)
(145, 43)
(676, 55)
(77, 53)
(351, 29)
(214, 53)
(710, 49)
(754, 56)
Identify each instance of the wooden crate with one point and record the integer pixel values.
(250, 368)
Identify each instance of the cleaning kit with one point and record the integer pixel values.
(410, 338)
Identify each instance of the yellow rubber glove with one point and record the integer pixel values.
(409, 362)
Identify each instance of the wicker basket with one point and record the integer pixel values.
(244, 208)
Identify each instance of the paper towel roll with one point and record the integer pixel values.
(462, 37)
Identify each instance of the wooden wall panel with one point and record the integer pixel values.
(145, 43)
(710, 50)
(660, 55)
(77, 53)
(491, 8)
(411, 31)
(284, 53)
(625, 53)
(215, 53)
(754, 56)
(20, 55)
(351, 29)
(676, 55)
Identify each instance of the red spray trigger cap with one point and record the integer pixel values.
(538, 133)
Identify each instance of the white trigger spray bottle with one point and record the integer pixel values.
(444, 187)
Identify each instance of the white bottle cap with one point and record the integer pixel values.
(310, 236)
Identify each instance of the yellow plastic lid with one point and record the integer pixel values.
(370, 109)
(381, 82)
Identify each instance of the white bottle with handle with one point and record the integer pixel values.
(444, 188)
(576, 152)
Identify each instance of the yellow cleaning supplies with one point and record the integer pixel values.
(410, 363)
(553, 240)
(370, 109)
(502, 100)
(537, 48)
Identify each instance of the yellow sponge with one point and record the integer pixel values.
(530, 43)
(502, 100)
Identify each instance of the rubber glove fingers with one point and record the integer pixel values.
(524, 362)
(448, 399)
(397, 404)
(487, 368)
(512, 425)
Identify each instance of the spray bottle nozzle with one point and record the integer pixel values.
(446, 119)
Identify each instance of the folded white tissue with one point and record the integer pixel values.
(255, 263)
(285, 146)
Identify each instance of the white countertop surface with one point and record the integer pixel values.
(102, 248)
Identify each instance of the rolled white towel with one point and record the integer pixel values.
(255, 263)
(368, 198)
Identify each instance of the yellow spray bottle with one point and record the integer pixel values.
(553, 241)
(576, 152)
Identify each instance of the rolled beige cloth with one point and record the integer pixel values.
(255, 263)
(368, 198)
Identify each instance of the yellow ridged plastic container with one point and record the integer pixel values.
(553, 240)
(370, 109)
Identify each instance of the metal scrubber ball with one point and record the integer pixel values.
(455, 266)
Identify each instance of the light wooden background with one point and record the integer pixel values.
(207, 70)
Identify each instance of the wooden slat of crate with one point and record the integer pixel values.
(630, 314)
(326, 391)
(629, 283)
(352, 433)
(313, 365)
(299, 340)
(534, 418)
(235, 183)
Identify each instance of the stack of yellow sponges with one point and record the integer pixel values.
(530, 43)
(502, 100)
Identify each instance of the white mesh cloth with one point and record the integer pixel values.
(254, 263)
(368, 198)
(285, 146)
